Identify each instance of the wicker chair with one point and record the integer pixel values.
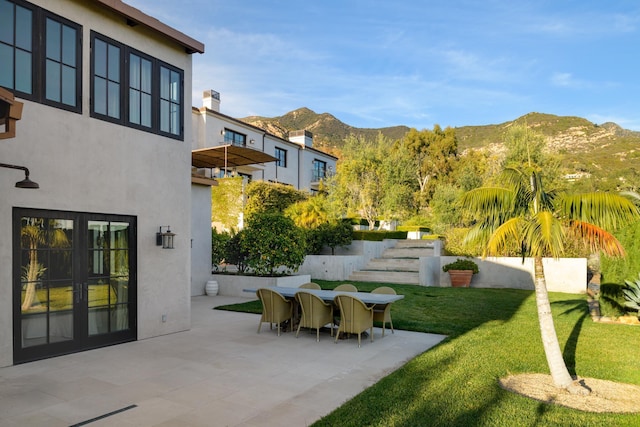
(382, 312)
(310, 285)
(315, 313)
(355, 318)
(346, 287)
(275, 308)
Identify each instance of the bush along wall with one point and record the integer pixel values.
(378, 236)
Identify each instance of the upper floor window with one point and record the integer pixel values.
(319, 170)
(234, 138)
(40, 55)
(134, 89)
(281, 156)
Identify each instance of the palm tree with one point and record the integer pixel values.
(521, 212)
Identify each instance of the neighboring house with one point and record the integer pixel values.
(106, 133)
(224, 146)
(293, 162)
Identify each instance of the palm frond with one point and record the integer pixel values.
(494, 204)
(544, 234)
(606, 210)
(479, 235)
(506, 236)
(596, 238)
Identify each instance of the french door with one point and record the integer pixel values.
(74, 278)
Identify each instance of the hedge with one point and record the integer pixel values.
(378, 236)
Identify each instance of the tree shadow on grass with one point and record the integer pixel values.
(571, 307)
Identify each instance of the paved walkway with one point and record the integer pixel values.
(219, 373)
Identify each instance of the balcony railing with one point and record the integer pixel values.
(320, 174)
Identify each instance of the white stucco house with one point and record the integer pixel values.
(223, 145)
(106, 132)
(254, 153)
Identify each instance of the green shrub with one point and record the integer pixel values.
(461, 264)
(455, 245)
(433, 237)
(378, 236)
(273, 241)
(235, 253)
(414, 228)
(336, 233)
(611, 300)
(616, 270)
(631, 293)
(361, 221)
(218, 243)
(313, 238)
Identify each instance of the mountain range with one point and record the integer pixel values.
(606, 152)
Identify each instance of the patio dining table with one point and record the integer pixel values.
(328, 296)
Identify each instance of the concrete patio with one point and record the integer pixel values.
(219, 373)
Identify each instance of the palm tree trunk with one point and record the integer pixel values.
(557, 366)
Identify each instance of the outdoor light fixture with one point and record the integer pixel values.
(165, 239)
(26, 182)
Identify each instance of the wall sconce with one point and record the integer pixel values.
(222, 132)
(26, 182)
(165, 239)
(252, 141)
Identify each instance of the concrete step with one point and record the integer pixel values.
(400, 277)
(414, 243)
(394, 264)
(407, 252)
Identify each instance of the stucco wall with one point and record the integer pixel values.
(233, 285)
(331, 267)
(562, 275)
(88, 165)
(200, 238)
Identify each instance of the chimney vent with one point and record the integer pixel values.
(211, 100)
(302, 137)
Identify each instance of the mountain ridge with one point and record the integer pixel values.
(606, 151)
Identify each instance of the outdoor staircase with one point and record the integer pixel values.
(400, 264)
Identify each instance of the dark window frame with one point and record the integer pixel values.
(281, 160)
(125, 86)
(39, 17)
(319, 170)
(235, 138)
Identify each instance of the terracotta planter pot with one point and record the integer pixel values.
(460, 278)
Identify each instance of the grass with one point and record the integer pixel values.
(491, 333)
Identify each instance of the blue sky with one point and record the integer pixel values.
(416, 63)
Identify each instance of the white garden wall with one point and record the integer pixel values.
(562, 275)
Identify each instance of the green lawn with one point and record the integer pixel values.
(492, 333)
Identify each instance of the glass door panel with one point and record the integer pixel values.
(46, 293)
(109, 276)
(73, 287)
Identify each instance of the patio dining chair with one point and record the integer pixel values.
(315, 313)
(355, 316)
(346, 287)
(382, 312)
(310, 285)
(275, 308)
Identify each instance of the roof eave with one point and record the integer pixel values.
(136, 16)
